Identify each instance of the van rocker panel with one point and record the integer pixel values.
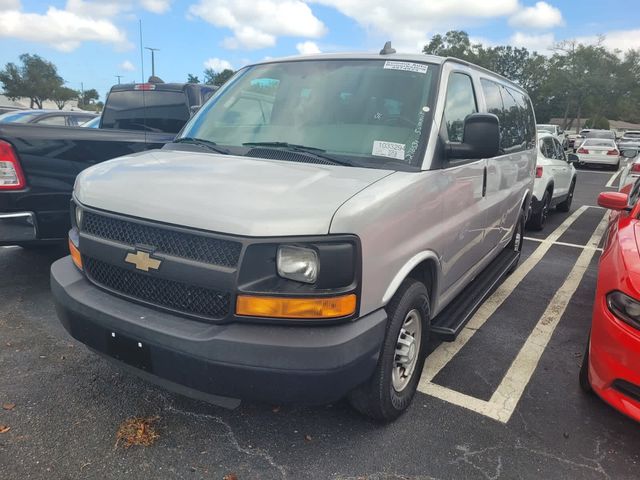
(301, 364)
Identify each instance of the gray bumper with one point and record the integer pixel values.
(17, 227)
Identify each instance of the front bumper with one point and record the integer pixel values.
(280, 364)
(614, 361)
(17, 227)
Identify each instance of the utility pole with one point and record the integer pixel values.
(153, 63)
(119, 77)
(82, 92)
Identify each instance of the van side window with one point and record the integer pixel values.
(495, 105)
(460, 102)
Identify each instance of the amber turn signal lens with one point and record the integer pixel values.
(75, 255)
(311, 308)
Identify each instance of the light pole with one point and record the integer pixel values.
(118, 77)
(153, 63)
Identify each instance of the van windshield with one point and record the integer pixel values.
(363, 112)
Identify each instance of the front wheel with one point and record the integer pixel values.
(389, 391)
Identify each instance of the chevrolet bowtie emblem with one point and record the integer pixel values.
(142, 261)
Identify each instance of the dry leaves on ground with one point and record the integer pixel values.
(230, 476)
(8, 406)
(4, 428)
(137, 431)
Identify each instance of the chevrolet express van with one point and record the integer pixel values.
(311, 227)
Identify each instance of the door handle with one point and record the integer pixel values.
(484, 182)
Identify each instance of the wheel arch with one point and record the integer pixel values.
(425, 267)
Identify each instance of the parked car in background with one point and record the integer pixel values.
(631, 171)
(573, 141)
(305, 244)
(554, 130)
(93, 123)
(39, 163)
(630, 139)
(611, 363)
(555, 181)
(599, 151)
(48, 117)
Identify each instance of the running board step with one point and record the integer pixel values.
(450, 321)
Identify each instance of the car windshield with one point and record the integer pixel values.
(547, 128)
(592, 142)
(364, 112)
(18, 117)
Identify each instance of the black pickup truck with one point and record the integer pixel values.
(39, 164)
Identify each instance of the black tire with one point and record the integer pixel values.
(539, 218)
(566, 205)
(378, 398)
(517, 240)
(583, 377)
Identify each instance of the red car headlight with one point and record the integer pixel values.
(625, 308)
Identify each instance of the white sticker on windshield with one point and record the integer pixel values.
(406, 66)
(388, 149)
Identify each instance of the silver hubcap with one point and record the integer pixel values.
(518, 237)
(407, 348)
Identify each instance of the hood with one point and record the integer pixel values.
(223, 193)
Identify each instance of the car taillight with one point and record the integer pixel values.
(613, 152)
(11, 175)
(144, 86)
(635, 167)
(538, 172)
(583, 150)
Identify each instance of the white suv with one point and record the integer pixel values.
(555, 181)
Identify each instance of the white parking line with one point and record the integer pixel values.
(613, 178)
(11, 246)
(505, 399)
(564, 244)
(447, 350)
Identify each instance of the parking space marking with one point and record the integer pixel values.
(505, 399)
(613, 178)
(442, 355)
(564, 244)
(11, 246)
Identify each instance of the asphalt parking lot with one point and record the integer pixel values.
(501, 402)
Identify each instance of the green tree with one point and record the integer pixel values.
(192, 78)
(34, 78)
(211, 77)
(62, 95)
(89, 97)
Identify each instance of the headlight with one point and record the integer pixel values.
(298, 263)
(625, 308)
(78, 217)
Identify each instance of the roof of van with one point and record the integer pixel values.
(398, 57)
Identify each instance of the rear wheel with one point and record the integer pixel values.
(583, 377)
(389, 391)
(539, 218)
(566, 205)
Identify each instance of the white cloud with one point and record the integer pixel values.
(257, 24)
(63, 30)
(615, 40)
(307, 48)
(217, 64)
(540, 43)
(156, 6)
(541, 16)
(127, 66)
(409, 25)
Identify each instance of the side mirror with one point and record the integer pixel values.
(193, 109)
(572, 158)
(481, 138)
(614, 200)
(629, 153)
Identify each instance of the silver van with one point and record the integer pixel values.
(314, 224)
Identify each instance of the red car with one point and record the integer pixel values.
(611, 365)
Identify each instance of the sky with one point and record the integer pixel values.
(91, 42)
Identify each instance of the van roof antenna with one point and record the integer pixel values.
(387, 50)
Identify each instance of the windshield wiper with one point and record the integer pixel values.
(314, 151)
(203, 143)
